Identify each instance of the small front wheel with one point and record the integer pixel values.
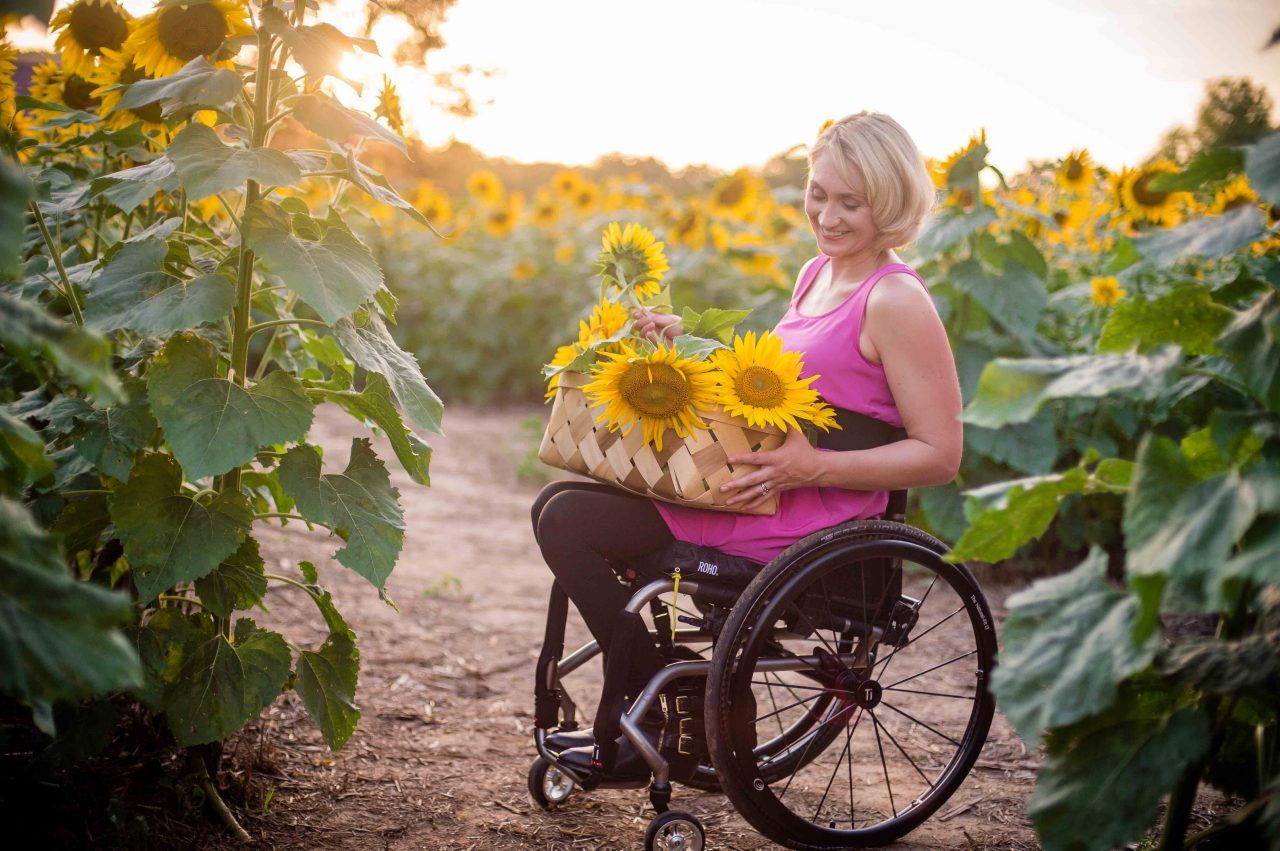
(675, 831)
(548, 786)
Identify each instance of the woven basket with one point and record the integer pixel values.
(688, 471)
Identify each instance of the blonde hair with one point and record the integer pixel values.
(899, 188)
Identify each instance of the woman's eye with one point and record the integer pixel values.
(849, 206)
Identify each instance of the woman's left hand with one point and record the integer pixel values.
(794, 464)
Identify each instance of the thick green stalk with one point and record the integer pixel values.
(68, 291)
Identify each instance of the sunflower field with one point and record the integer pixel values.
(177, 298)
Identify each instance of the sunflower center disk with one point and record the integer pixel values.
(655, 390)
(1148, 197)
(190, 31)
(96, 27)
(77, 93)
(760, 387)
(1075, 170)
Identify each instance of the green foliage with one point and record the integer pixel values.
(134, 291)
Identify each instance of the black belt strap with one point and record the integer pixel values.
(859, 431)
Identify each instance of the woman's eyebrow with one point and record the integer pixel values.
(841, 195)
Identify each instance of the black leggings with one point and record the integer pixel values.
(588, 533)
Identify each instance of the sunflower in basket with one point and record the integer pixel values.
(659, 390)
(761, 383)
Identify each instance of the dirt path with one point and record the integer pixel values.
(440, 756)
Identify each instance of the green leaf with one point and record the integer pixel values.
(713, 322)
(22, 458)
(319, 49)
(944, 230)
(371, 346)
(378, 187)
(1251, 342)
(1012, 390)
(1255, 563)
(15, 192)
(326, 117)
(327, 685)
(1179, 561)
(1207, 236)
(160, 645)
(1029, 447)
(198, 83)
(1262, 165)
(1014, 513)
(213, 424)
(1207, 167)
(238, 583)
(1225, 667)
(134, 291)
(1188, 317)
(132, 186)
(168, 536)
(1024, 251)
(1015, 298)
(222, 685)
(109, 438)
(333, 275)
(60, 639)
(81, 523)
(1086, 795)
(1068, 644)
(206, 166)
(38, 341)
(943, 508)
(373, 406)
(359, 501)
(1161, 475)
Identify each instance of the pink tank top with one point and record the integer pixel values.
(846, 379)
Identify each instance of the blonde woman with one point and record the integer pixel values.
(867, 325)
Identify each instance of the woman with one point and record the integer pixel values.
(867, 325)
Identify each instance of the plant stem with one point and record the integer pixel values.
(220, 806)
(298, 517)
(288, 581)
(274, 323)
(178, 598)
(1178, 816)
(69, 292)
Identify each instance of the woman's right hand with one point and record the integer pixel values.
(651, 325)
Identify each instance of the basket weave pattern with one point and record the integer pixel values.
(688, 471)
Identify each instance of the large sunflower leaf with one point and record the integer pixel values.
(15, 192)
(1068, 643)
(1012, 390)
(222, 685)
(1161, 474)
(944, 230)
(1250, 342)
(38, 341)
(1256, 562)
(110, 437)
(130, 187)
(1188, 317)
(22, 458)
(319, 48)
(1262, 165)
(371, 346)
(327, 685)
(206, 166)
(1086, 795)
(1206, 167)
(1029, 447)
(326, 117)
(1208, 236)
(213, 424)
(1015, 298)
(373, 406)
(237, 583)
(359, 502)
(134, 291)
(1021, 511)
(198, 83)
(334, 274)
(59, 638)
(168, 536)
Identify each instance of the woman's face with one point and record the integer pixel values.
(838, 212)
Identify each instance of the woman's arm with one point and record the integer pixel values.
(911, 342)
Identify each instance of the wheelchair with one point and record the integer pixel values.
(837, 695)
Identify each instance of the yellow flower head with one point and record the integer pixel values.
(171, 36)
(734, 197)
(8, 62)
(689, 229)
(942, 173)
(524, 270)
(1143, 202)
(1237, 193)
(84, 29)
(585, 198)
(750, 255)
(607, 318)
(660, 391)
(388, 107)
(433, 203)
(565, 253)
(1106, 291)
(118, 69)
(502, 219)
(761, 383)
(632, 257)
(485, 187)
(546, 209)
(50, 83)
(1076, 172)
(564, 357)
(565, 183)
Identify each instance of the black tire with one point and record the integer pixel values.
(545, 785)
(812, 603)
(693, 837)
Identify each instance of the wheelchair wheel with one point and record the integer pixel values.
(548, 786)
(847, 698)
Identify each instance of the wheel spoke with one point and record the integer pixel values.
(788, 706)
(776, 711)
(884, 767)
(916, 638)
(835, 769)
(813, 737)
(923, 776)
(930, 670)
(933, 693)
(921, 723)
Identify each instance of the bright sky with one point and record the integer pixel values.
(733, 82)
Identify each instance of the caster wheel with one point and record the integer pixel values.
(548, 786)
(674, 831)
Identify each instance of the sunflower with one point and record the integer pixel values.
(607, 318)
(502, 219)
(566, 182)
(631, 257)
(660, 390)
(761, 383)
(1106, 291)
(942, 173)
(1076, 172)
(117, 69)
(735, 196)
(546, 209)
(433, 203)
(485, 187)
(87, 27)
(565, 252)
(171, 36)
(719, 237)
(8, 55)
(1237, 193)
(585, 198)
(750, 254)
(564, 357)
(689, 229)
(388, 107)
(524, 270)
(50, 83)
(1143, 202)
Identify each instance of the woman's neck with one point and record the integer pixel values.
(853, 269)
